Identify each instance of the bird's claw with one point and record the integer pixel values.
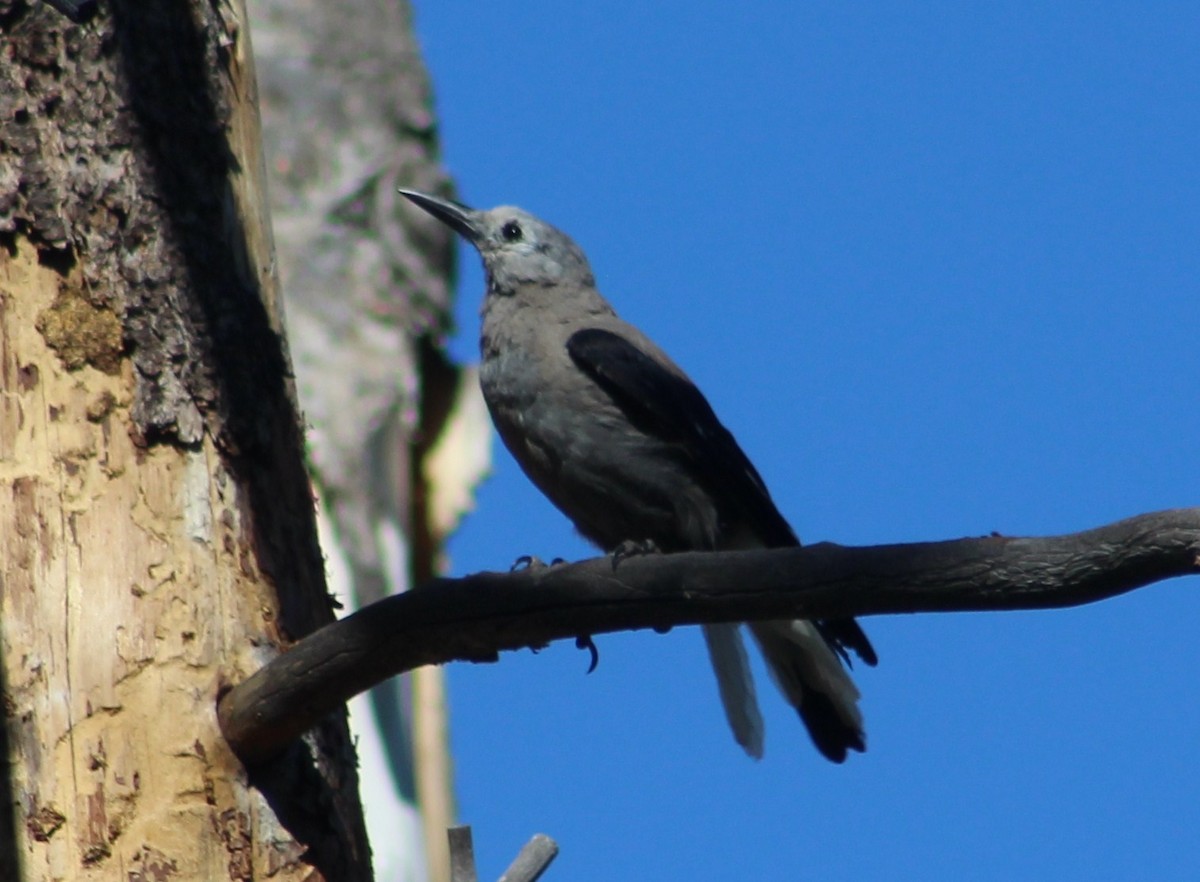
(533, 562)
(526, 562)
(584, 641)
(633, 548)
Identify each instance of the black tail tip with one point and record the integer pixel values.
(828, 730)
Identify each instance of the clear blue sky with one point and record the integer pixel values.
(937, 266)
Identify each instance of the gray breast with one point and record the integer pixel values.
(614, 482)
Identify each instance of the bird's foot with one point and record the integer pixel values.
(584, 641)
(527, 562)
(531, 562)
(633, 548)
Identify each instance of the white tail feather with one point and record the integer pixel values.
(736, 683)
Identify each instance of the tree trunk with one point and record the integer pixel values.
(156, 522)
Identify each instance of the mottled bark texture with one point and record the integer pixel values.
(155, 516)
(348, 118)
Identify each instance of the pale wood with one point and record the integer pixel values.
(434, 770)
(128, 593)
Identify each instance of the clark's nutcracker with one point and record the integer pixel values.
(624, 444)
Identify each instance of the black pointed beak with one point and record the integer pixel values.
(453, 214)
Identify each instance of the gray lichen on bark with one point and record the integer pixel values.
(93, 123)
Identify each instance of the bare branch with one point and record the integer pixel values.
(532, 861)
(476, 617)
(462, 854)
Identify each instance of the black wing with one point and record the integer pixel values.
(666, 405)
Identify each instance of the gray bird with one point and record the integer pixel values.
(626, 446)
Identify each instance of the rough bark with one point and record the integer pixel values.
(155, 517)
(476, 617)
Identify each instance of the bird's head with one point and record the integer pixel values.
(517, 248)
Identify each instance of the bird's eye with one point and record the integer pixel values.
(511, 231)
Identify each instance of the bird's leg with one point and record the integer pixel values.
(633, 548)
(584, 641)
(529, 562)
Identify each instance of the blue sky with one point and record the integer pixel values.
(938, 268)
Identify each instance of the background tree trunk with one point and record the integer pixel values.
(398, 435)
(156, 522)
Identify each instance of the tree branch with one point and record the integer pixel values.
(476, 617)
